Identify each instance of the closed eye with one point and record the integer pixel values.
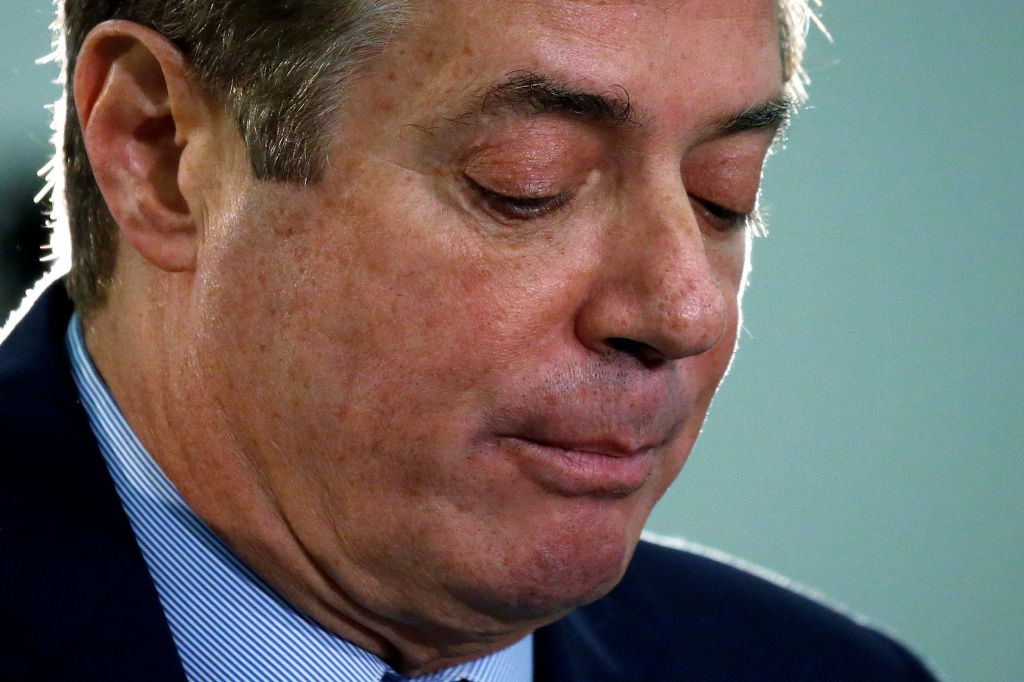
(720, 217)
(517, 207)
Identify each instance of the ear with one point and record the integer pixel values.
(139, 112)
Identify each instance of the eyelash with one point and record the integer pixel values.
(531, 208)
(518, 208)
(723, 219)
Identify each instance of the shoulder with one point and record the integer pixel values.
(38, 399)
(76, 600)
(40, 416)
(683, 611)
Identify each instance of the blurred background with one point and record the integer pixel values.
(25, 88)
(869, 441)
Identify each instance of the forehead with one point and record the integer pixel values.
(611, 23)
(672, 58)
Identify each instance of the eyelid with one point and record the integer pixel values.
(511, 189)
(517, 208)
(723, 219)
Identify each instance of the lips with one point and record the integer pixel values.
(599, 429)
(584, 467)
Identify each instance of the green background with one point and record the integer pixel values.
(868, 441)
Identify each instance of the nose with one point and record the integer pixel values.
(656, 294)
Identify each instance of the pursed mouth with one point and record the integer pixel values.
(600, 468)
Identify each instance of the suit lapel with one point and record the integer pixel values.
(571, 650)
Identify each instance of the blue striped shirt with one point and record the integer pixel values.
(227, 623)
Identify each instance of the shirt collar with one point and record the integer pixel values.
(227, 623)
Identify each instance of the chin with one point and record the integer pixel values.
(554, 570)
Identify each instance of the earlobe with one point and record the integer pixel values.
(138, 112)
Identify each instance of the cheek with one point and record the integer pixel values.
(705, 372)
(730, 265)
(416, 327)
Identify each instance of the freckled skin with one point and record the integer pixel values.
(358, 367)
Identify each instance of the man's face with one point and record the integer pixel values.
(468, 362)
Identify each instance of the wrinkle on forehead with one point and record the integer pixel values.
(608, 22)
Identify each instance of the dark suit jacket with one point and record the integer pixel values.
(77, 602)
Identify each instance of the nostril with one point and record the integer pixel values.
(648, 356)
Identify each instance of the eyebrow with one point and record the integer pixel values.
(775, 114)
(528, 93)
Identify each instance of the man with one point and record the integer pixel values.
(393, 321)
